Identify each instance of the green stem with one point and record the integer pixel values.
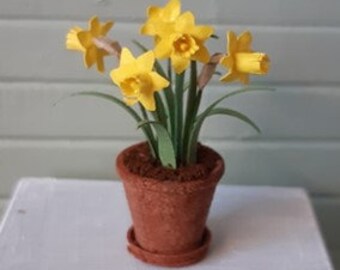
(160, 113)
(190, 110)
(197, 103)
(170, 102)
(169, 70)
(179, 115)
(149, 134)
(191, 155)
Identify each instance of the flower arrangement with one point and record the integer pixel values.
(169, 99)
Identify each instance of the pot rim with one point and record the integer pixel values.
(168, 186)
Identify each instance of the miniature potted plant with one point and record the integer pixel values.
(170, 179)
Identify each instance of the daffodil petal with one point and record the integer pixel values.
(105, 28)
(244, 42)
(164, 29)
(153, 12)
(90, 56)
(227, 61)
(229, 77)
(148, 29)
(158, 81)
(179, 63)
(130, 101)
(116, 76)
(85, 39)
(94, 26)
(202, 32)
(148, 101)
(232, 42)
(163, 48)
(126, 57)
(172, 10)
(202, 55)
(146, 61)
(100, 61)
(185, 22)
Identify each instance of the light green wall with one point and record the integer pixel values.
(300, 143)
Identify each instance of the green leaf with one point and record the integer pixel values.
(179, 113)
(162, 114)
(166, 151)
(234, 93)
(140, 45)
(236, 114)
(170, 102)
(191, 154)
(186, 86)
(109, 98)
(127, 108)
(190, 110)
(148, 130)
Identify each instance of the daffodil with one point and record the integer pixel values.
(176, 35)
(137, 80)
(158, 17)
(241, 60)
(84, 41)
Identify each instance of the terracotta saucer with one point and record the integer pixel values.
(173, 260)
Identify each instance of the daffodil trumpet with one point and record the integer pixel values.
(169, 114)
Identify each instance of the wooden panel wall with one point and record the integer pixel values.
(300, 144)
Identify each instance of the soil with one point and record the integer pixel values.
(140, 161)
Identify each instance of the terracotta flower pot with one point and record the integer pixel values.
(169, 217)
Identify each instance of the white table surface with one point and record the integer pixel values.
(81, 225)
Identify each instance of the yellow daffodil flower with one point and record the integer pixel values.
(84, 40)
(176, 35)
(241, 60)
(137, 80)
(158, 17)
